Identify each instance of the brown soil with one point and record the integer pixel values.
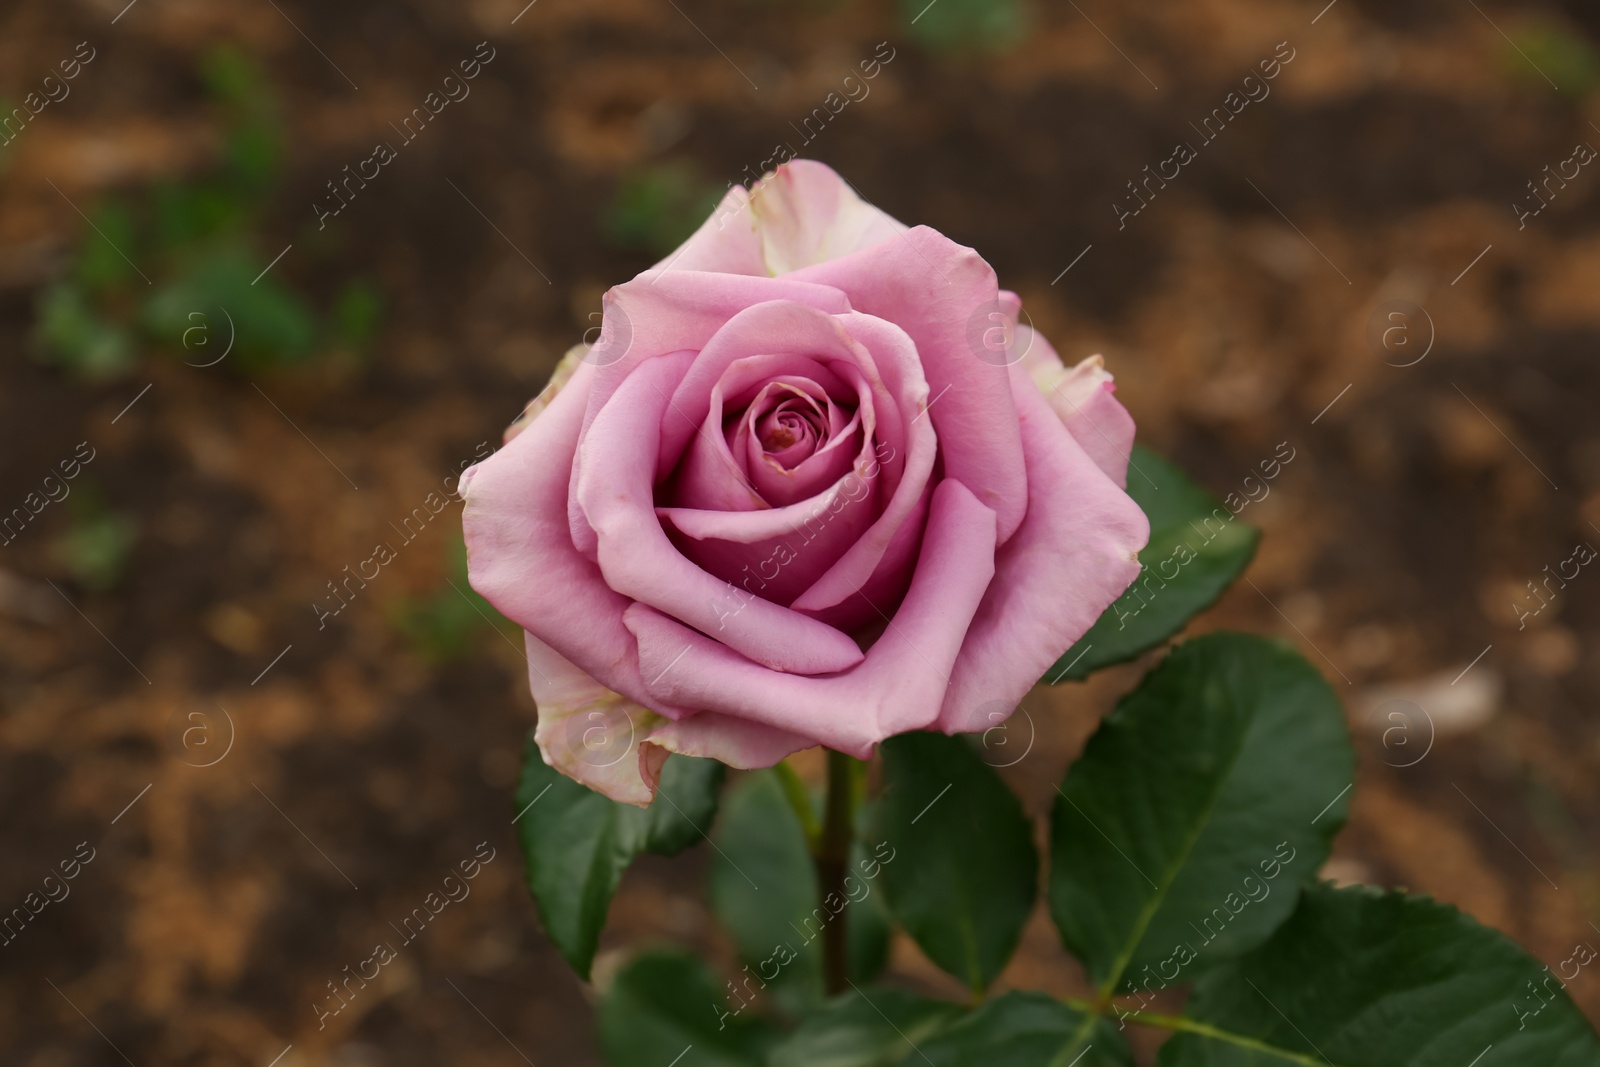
(218, 908)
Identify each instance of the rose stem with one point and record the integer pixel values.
(833, 861)
(799, 798)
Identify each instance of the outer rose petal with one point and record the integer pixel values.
(739, 743)
(520, 553)
(799, 215)
(899, 685)
(1083, 397)
(616, 747)
(1073, 555)
(806, 214)
(589, 733)
(727, 242)
(934, 289)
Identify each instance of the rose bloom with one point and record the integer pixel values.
(813, 484)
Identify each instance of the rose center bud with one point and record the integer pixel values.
(781, 478)
(791, 421)
(789, 435)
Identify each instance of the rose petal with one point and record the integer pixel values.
(877, 563)
(815, 460)
(589, 733)
(800, 334)
(658, 313)
(617, 747)
(520, 556)
(777, 552)
(897, 688)
(1083, 397)
(806, 214)
(876, 566)
(787, 431)
(1074, 554)
(933, 288)
(858, 610)
(726, 242)
(739, 743)
(615, 489)
(701, 478)
(789, 419)
(709, 474)
(799, 215)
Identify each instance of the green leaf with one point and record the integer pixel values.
(658, 206)
(576, 843)
(763, 888)
(95, 549)
(778, 926)
(1197, 548)
(266, 321)
(254, 152)
(664, 1003)
(253, 145)
(870, 924)
(358, 312)
(961, 878)
(233, 78)
(866, 1028)
(1547, 47)
(186, 213)
(1198, 810)
(72, 334)
(966, 25)
(1027, 1029)
(1362, 977)
(689, 787)
(103, 262)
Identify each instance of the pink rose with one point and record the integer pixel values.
(813, 484)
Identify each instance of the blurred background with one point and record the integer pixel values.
(268, 282)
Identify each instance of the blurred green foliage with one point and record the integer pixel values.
(205, 293)
(658, 206)
(966, 25)
(271, 322)
(446, 625)
(1559, 53)
(95, 547)
(78, 338)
